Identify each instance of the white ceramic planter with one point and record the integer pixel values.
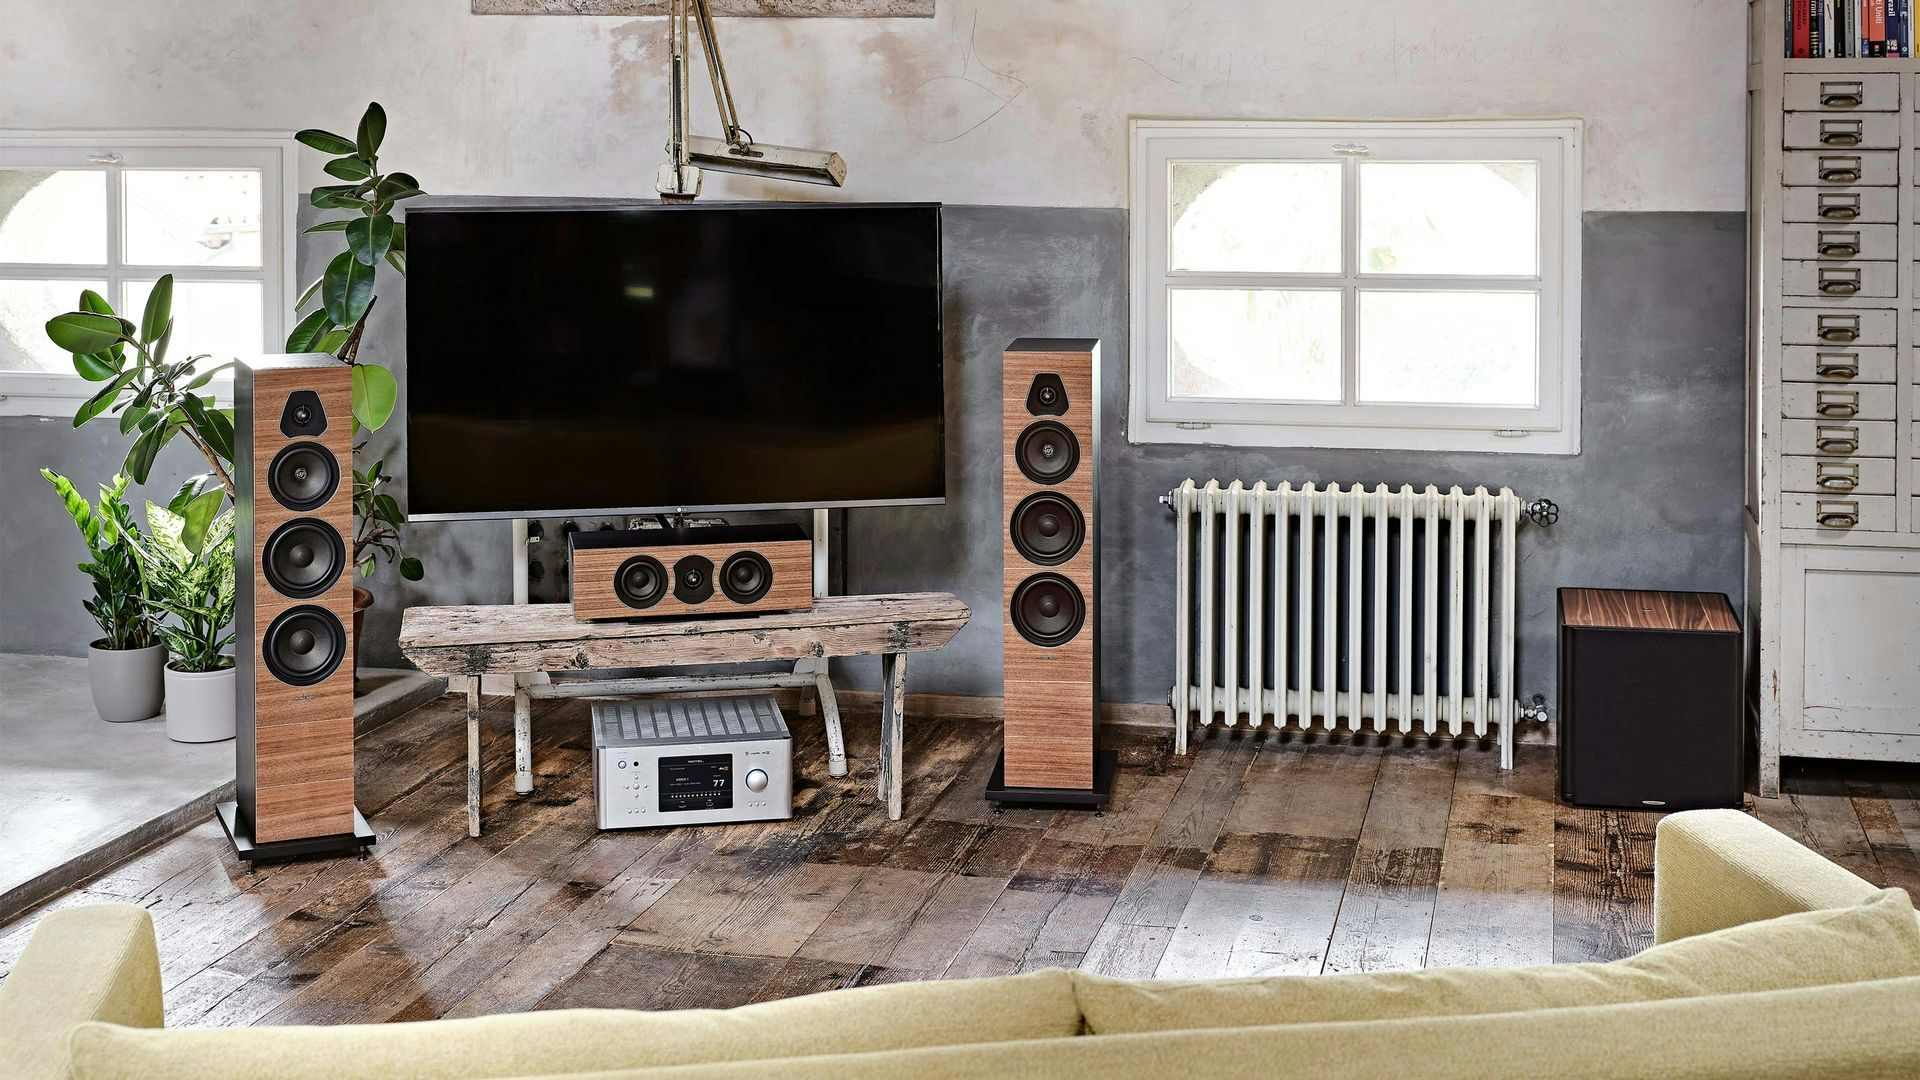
(200, 705)
(126, 683)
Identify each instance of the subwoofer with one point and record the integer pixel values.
(292, 472)
(689, 572)
(1050, 444)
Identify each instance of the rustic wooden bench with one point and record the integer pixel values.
(549, 654)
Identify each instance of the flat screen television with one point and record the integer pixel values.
(628, 359)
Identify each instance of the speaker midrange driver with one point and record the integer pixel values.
(640, 582)
(303, 476)
(745, 577)
(1047, 452)
(1048, 610)
(303, 645)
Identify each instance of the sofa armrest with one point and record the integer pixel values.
(1718, 868)
(85, 963)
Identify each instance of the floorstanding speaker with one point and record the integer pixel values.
(293, 623)
(1050, 448)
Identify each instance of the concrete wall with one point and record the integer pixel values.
(1018, 102)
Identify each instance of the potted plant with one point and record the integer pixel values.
(338, 325)
(192, 597)
(123, 665)
(154, 399)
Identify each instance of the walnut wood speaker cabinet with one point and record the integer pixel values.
(1049, 449)
(293, 479)
(1650, 700)
(678, 573)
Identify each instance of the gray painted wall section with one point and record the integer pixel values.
(1653, 500)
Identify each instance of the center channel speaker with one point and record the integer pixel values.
(293, 480)
(690, 572)
(1051, 442)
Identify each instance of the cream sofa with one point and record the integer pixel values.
(1772, 961)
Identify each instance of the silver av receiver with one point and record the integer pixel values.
(690, 761)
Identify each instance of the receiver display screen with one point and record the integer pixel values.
(697, 782)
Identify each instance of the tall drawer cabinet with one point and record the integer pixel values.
(1833, 409)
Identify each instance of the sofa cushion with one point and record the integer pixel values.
(1879, 939)
(1036, 1006)
(1854, 1031)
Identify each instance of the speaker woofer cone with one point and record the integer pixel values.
(1048, 610)
(746, 576)
(303, 476)
(303, 558)
(640, 582)
(1047, 528)
(1047, 452)
(303, 645)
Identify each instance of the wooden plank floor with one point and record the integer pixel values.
(1260, 852)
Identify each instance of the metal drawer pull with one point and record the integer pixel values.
(1843, 404)
(1839, 249)
(1839, 213)
(1840, 287)
(1840, 175)
(1838, 476)
(1843, 95)
(1837, 515)
(1838, 327)
(1837, 366)
(1837, 440)
(1840, 132)
(1839, 206)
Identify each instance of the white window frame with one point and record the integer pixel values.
(33, 393)
(1551, 426)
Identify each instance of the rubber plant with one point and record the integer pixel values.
(346, 295)
(191, 592)
(120, 589)
(155, 400)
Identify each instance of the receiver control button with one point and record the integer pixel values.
(756, 780)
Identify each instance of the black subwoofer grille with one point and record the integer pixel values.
(1048, 610)
(303, 645)
(746, 576)
(303, 558)
(640, 582)
(1047, 528)
(303, 476)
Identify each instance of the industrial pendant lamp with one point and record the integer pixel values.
(679, 177)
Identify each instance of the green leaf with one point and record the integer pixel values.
(198, 517)
(94, 302)
(307, 294)
(369, 238)
(387, 509)
(373, 128)
(206, 376)
(392, 191)
(399, 236)
(400, 179)
(147, 447)
(324, 141)
(85, 332)
(337, 225)
(397, 260)
(159, 311)
(330, 344)
(132, 417)
(310, 330)
(106, 396)
(348, 168)
(366, 567)
(336, 197)
(191, 487)
(94, 367)
(374, 391)
(345, 290)
(160, 347)
(218, 437)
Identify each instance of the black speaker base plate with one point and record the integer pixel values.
(249, 851)
(1105, 764)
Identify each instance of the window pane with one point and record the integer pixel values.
(1449, 348)
(193, 217)
(1273, 217)
(25, 307)
(219, 318)
(1449, 217)
(1277, 344)
(53, 216)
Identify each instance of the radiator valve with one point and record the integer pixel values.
(1543, 512)
(1535, 709)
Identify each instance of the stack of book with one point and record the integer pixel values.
(1819, 28)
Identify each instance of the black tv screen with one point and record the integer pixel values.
(660, 357)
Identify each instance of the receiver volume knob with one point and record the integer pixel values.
(756, 780)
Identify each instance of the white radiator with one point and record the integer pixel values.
(1383, 611)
